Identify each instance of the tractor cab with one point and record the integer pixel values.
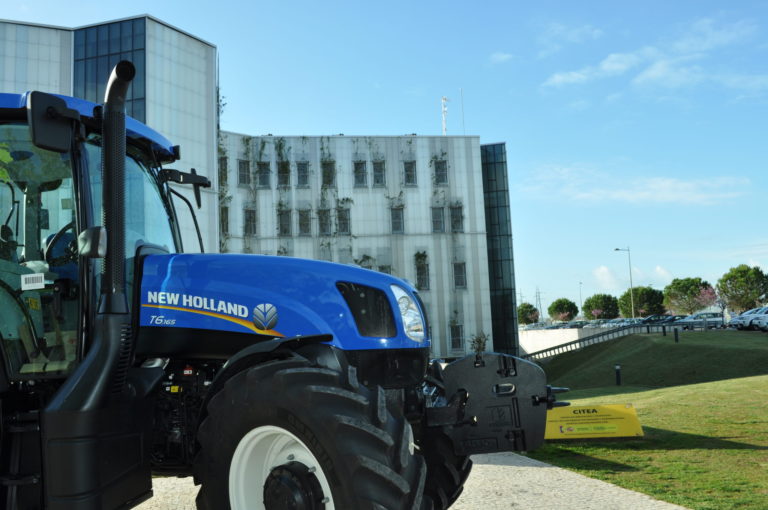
(47, 199)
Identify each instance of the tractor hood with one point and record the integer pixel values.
(255, 297)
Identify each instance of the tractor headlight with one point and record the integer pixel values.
(413, 322)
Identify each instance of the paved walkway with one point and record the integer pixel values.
(501, 481)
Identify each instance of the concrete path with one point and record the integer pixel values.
(502, 481)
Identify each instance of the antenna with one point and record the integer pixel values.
(444, 102)
(463, 129)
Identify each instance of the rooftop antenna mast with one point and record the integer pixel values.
(444, 102)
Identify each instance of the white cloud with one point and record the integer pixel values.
(614, 64)
(588, 185)
(671, 73)
(556, 35)
(499, 57)
(668, 64)
(605, 279)
(705, 34)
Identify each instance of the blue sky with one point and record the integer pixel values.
(636, 124)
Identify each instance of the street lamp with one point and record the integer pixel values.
(581, 302)
(631, 291)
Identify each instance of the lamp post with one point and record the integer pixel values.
(581, 302)
(631, 287)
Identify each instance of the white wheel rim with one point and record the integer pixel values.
(258, 453)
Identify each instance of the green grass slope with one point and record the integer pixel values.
(705, 445)
(656, 361)
(703, 405)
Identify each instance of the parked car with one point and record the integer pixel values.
(757, 319)
(744, 320)
(614, 323)
(668, 319)
(699, 320)
(596, 323)
(576, 324)
(653, 319)
(761, 322)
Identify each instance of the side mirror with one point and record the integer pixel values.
(50, 121)
(92, 242)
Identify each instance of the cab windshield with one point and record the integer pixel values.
(38, 257)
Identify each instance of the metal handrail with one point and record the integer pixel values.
(601, 337)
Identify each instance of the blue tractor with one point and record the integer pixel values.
(277, 383)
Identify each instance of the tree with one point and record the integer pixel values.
(743, 287)
(563, 309)
(601, 306)
(687, 295)
(527, 313)
(648, 301)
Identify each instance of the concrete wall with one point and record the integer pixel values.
(540, 339)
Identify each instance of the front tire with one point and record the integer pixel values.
(446, 471)
(288, 433)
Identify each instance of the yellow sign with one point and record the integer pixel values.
(583, 422)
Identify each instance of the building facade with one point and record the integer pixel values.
(174, 91)
(431, 209)
(412, 206)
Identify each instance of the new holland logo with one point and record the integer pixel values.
(265, 316)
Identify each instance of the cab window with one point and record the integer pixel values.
(146, 215)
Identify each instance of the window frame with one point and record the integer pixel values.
(397, 214)
(243, 172)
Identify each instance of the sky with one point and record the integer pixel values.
(637, 125)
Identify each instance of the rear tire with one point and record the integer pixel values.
(446, 471)
(311, 436)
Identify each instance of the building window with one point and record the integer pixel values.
(441, 172)
(262, 174)
(284, 174)
(396, 215)
(302, 174)
(422, 276)
(361, 174)
(457, 219)
(342, 220)
(409, 173)
(438, 219)
(249, 222)
(457, 337)
(460, 275)
(329, 174)
(284, 223)
(243, 172)
(224, 219)
(222, 172)
(305, 222)
(385, 269)
(324, 222)
(379, 176)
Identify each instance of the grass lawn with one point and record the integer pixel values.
(705, 444)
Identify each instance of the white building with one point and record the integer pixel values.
(174, 91)
(434, 210)
(412, 206)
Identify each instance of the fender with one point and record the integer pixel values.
(258, 353)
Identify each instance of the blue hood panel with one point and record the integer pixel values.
(261, 295)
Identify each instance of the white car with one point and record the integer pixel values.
(758, 320)
(761, 322)
(744, 321)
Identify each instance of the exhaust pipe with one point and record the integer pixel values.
(113, 193)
